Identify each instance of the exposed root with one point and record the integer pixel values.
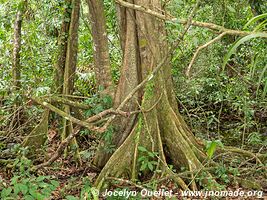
(162, 129)
(260, 158)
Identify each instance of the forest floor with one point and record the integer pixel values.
(73, 178)
(76, 181)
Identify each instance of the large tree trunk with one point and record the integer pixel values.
(101, 51)
(159, 128)
(130, 77)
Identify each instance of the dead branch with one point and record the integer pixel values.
(63, 145)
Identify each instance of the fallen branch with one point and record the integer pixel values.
(258, 157)
(63, 145)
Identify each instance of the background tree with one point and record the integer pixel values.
(16, 63)
(70, 67)
(17, 45)
(62, 48)
(101, 53)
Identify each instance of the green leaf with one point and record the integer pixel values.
(261, 26)
(211, 147)
(260, 80)
(98, 109)
(255, 19)
(46, 192)
(28, 197)
(33, 192)
(154, 162)
(143, 166)
(88, 113)
(142, 158)
(142, 149)
(43, 185)
(152, 155)
(238, 43)
(150, 166)
(41, 178)
(40, 196)
(231, 9)
(14, 180)
(95, 193)
(23, 188)
(16, 189)
(70, 197)
(6, 192)
(55, 183)
(107, 100)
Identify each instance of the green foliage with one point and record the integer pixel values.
(222, 173)
(254, 20)
(223, 104)
(29, 187)
(147, 159)
(87, 191)
(256, 138)
(85, 84)
(238, 43)
(262, 79)
(97, 104)
(149, 89)
(24, 183)
(107, 136)
(211, 147)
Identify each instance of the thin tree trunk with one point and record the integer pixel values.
(16, 66)
(70, 68)
(62, 49)
(16, 71)
(72, 49)
(101, 51)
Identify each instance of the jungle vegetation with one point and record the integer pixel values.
(131, 95)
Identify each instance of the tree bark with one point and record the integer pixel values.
(129, 79)
(101, 51)
(17, 47)
(62, 49)
(16, 66)
(70, 68)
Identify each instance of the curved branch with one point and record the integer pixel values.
(200, 48)
(170, 18)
